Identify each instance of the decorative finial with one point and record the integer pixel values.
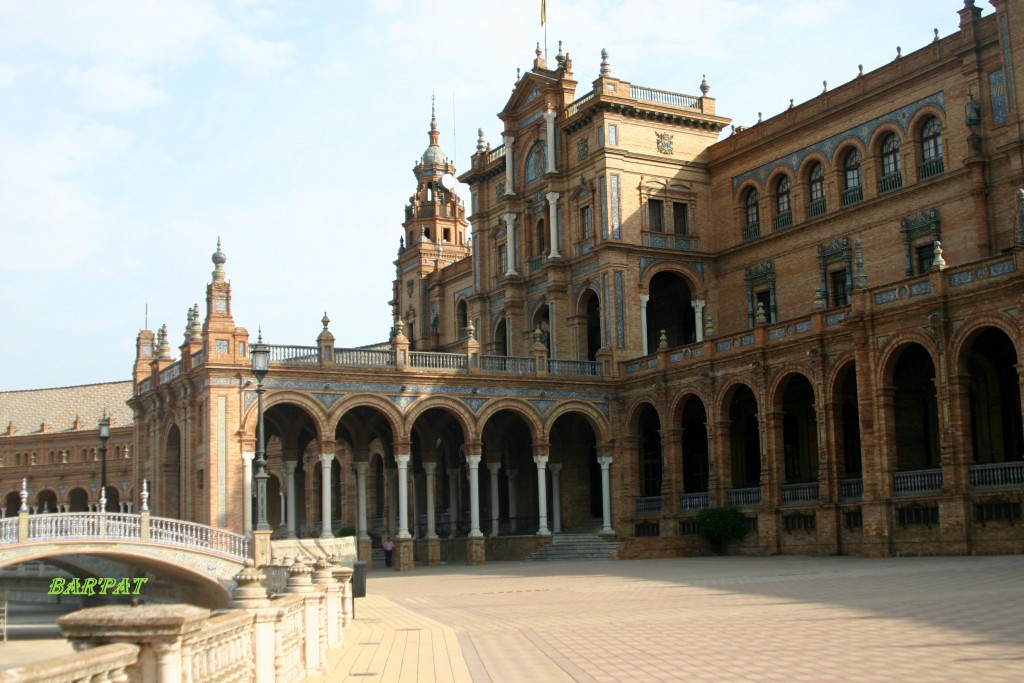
(538, 50)
(188, 323)
(399, 327)
(471, 331)
(790, 102)
(433, 116)
(24, 495)
(219, 259)
(759, 117)
(936, 38)
(704, 87)
(196, 333)
(606, 66)
(662, 340)
(481, 141)
(164, 343)
(709, 326)
(860, 278)
(824, 86)
(899, 52)
(939, 263)
(819, 299)
(259, 334)
(560, 57)
(518, 74)
(325, 321)
(762, 317)
(860, 70)
(103, 499)
(537, 335)
(145, 497)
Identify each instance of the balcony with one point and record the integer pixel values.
(437, 361)
(751, 231)
(930, 169)
(800, 493)
(782, 221)
(816, 208)
(918, 481)
(574, 368)
(650, 505)
(745, 498)
(854, 195)
(997, 475)
(851, 489)
(890, 183)
(507, 365)
(694, 501)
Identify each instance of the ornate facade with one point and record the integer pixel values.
(815, 319)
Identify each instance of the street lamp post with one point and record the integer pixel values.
(260, 354)
(104, 435)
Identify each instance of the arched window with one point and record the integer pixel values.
(816, 185)
(852, 192)
(931, 149)
(783, 211)
(753, 228)
(536, 161)
(892, 179)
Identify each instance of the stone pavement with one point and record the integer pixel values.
(716, 619)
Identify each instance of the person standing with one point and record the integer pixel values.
(389, 547)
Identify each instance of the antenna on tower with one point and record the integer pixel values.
(146, 326)
(455, 147)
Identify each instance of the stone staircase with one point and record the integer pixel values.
(582, 542)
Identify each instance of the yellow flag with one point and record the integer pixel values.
(543, 11)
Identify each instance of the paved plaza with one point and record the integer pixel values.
(698, 619)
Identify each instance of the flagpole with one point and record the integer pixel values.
(544, 23)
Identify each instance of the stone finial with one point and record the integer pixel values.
(103, 499)
(399, 327)
(709, 326)
(197, 327)
(24, 495)
(325, 321)
(606, 66)
(250, 589)
(860, 278)
(188, 323)
(538, 336)
(471, 331)
(761, 317)
(662, 340)
(899, 52)
(824, 86)
(481, 141)
(538, 51)
(759, 119)
(819, 299)
(936, 38)
(939, 263)
(560, 57)
(145, 497)
(860, 70)
(519, 74)
(322, 573)
(299, 577)
(163, 344)
(219, 259)
(790, 102)
(704, 86)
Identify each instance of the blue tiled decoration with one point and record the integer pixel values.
(620, 325)
(464, 292)
(997, 87)
(402, 402)
(584, 269)
(862, 132)
(328, 399)
(542, 405)
(536, 287)
(1002, 268)
(646, 262)
(475, 403)
(919, 288)
(607, 318)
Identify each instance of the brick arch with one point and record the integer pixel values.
(895, 346)
(632, 412)
(747, 185)
(776, 389)
(312, 407)
(692, 278)
(835, 372)
(842, 149)
(391, 412)
(520, 407)
(962, 339)
(920, 116)
(583, 292)
(803, 172)
(775, 175)
(597, 420)
(678, 403)
(725, 393)
(459, 410)
(880, 133)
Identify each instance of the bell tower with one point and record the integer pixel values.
(434, 238)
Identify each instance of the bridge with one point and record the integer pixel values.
(201, 559)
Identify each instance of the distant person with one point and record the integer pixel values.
(389, 547)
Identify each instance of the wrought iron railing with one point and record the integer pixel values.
(800, 493)
(648, 505)
(694, 501)
(507, 365)
(904, 483)
(537, 262)
(851, 489)
(782, 221)
(816, 208)
(751, 231)
(437, 361)
(745, 497)
(295, 355)
(930, 169)
(891, 182)
(574, 368)
(997, 474)
(664, 97)
(365, 358)
(853, 195)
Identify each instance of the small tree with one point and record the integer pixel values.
(719, 526)
(346, 531)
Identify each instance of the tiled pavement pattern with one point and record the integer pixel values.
(699, 619)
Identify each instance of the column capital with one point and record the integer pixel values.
(289, 466)
(473, 448)
(326, 458)
(555, 467)
(430, 468)
(508, 139)
(247, 457)
(494, 467)
(552, 197)
(510, 219)
(473, 461)
(541, 461)
(550, 115)
(402, 459)
(604, 461)
(362, 468)
(698, 304)
(644, 298)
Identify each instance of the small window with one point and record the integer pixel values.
(502, 259)
(925, 258)
(817, 184)
(541, 233)
(782, 205)
(839, 293)
(851, 168)
(600, 136)
(613, 134)
(241, 349)
(890, 155)
(931, 140)
(751, 204)
(586, 222)
(656, 215)
(679, 218)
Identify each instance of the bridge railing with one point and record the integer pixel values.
(8, 530)
(199, 536)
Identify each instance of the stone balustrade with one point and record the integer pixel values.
(261, 638)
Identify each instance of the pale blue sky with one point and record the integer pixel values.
(134, 132)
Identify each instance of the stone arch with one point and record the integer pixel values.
(777, 386)
(746, 186)
(529, 414)
(46, 497)
(77, 499)
(598, 421)
(732, 384)
(843, 391)
(841, 149)
(964, 337)
(879, 134)
(690, 414)
(894, 346)
(304, 401)
(919, 118)
(911, 403)
(807, 163)
(391, 412)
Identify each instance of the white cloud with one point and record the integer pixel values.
(255, 56)
(6, 75)
(116, 89)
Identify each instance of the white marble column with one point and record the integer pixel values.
(361, 469)
(542, 494)
(403, 495)
(553, 221)
(247, 457)
(326, 460)
(606, 493)
(429, 468)
(549, 119)
(474, 495)
(644, 298)
(453, 501)
(494, 467)
(289, 486)
(509, 166)
(698, 318)
(511, 476)
(510, 244)
(556, 498)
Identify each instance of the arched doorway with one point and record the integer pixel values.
(291, 434)
(46, 501)
(169, 501)
(590, 332)
(508, 439)
(648, 432)
(994, 398)
(12, 502)
(669, 308)
(849, 422)
(799, 431)
(78, 500)
(694, 444)
(113, 498)
(499, 347)
(915, 414)
(745, 438)
(574, 448)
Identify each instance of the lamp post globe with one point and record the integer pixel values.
(260, 355)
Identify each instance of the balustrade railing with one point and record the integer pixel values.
(816, 208)
(201, 537)
(197, 359)
(365, 358)
(904, 483)
(437, 361)
(222, 649)
(101, 663)
(891, 182)
(574, 368)
(800, 493)
(851, 489)
(170, 372)
(575, 106)
(66, 525)
(930, 169)
(854, 195)
(120, 525)
(782, 221)
(745, 497)
(694, 501)
(8, 530)
(648, 505)
(509, 365)
(672, 99)
(289, 632)
(751, 231)
(295, 355)
(537, 262)
(496, 153)
(997, 474)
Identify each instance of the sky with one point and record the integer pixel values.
(134, 133)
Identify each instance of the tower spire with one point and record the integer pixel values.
(434, 133)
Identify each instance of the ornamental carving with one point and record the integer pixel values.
(582, 148)
(499, 191)
(664, 143)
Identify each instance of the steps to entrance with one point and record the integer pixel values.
(576, 546)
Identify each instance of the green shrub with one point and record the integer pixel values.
(719, 526)
(346, 531)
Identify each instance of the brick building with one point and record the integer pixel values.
(815, 319)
